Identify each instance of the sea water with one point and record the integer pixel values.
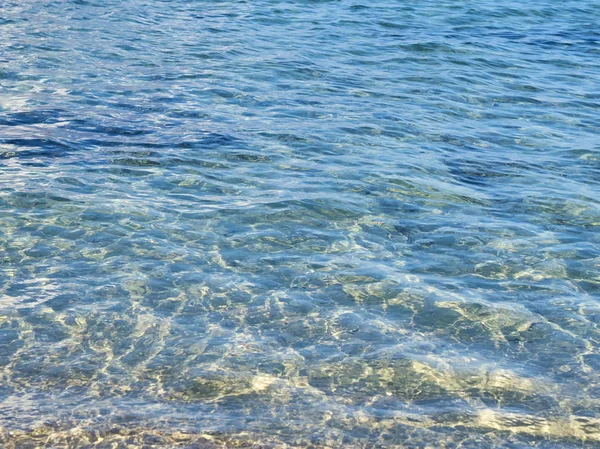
(301, 224)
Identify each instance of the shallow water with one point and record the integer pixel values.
(299, 224)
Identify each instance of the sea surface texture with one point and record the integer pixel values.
(299, 224)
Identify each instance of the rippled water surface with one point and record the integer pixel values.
(301, 224)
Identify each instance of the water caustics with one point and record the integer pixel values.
(302, 224)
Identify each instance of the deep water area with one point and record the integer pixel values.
(299, 224)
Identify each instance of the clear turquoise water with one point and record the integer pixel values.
(302, 224)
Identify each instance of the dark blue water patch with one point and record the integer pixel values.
(29, 148)
(32, 118)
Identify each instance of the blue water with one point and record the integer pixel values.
(300, 224)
